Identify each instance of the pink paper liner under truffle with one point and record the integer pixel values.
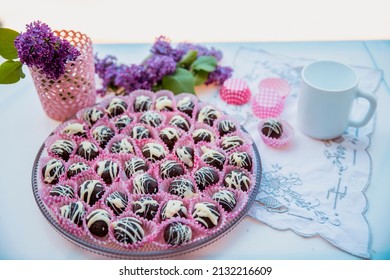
(42, 163)
(65, 223)
(159, 197)
(277, 84)
(133, 96)
(99, 240)
(235, 91)
(49, 199)
(288, 133)
(267, 103)
(119, 187)
(76, 160)
(80, 114)
(164, 199)
(55, 137)
(229, 168)
(186, 140)
(59, 129)
(117, 138)
(194, 100)
(166, 184)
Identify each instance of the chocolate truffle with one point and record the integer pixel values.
(208, 115)
(98, 222)
(135, 165)
(177, 233)
(63, 191)
(91, 191)
(231, 142)
(92, 115)
(52, 171)
(206, 214)
(146, 207)
(139, 132)
(153, 151)
(144, 184)
(122, 121)
(128, 230)
(186, 106)
(62, 148)
(76, 168)
(169, 136)
(74, 212)
(170, 168)
(241, 159)
(202, 134)
(122, 146)
(213, 157)
(180, 122)
(163, 103)
(75, 129)
(186, 155)
(142, 103)
(102, 134)
(226, 127)
(116, 107)
(151, 118)
(183, 188)
(88, 150)
(117, 201)
(108, 170)
(173, 208)
(272, 129)
(205, 177)
(226, 199)
(237, 179)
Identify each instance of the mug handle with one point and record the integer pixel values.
(371, 99)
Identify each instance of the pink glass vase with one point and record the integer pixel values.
(75, 89)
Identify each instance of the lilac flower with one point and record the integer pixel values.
(158, 66)
(201, 50)
(162, 46)
(102, 65)
(220, 74)
(132, 77)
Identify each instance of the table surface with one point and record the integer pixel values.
(25, 233)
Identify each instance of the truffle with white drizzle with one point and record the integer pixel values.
(52, 171)
(173, 208)
(241, 159)
(186, 155)
(76, 168)
(186, 106)
(182, 187)
(151, 118)
(202, 134)
(206, 214)
(116, 107)
(135, 165)
(92, 115)
(139, 132)
(74, 129)
(62, 148)
(169, 136)
(144, 184)
(231, 142)
(91, 191)
(88, 150)
(108, 170)
(177, 233)
(142, 103)
(226, 127)
(170, 168)
(153, 151)
(272, 128)
(62, 191)
(98, 222)
(180, 122)
(102, 134)
(205, 177)
(163, 103)
(122, 121)
(208, 114)
(146, 207)
(213, 157)
(237, 179)
(117, 201)
(226, 199)
(74, 212)
(122, 146)
(128, 230)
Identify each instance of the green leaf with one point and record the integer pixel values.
(11, 72)
(180, 81)
(7, 47)
(200, 77)
(205, 63)
(188, 58)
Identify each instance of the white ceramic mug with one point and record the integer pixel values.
(327, 93)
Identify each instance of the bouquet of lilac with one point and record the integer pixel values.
(177, 69)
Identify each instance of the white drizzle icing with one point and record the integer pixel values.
(163, 102)
(225, 197)
(145, 205)
(203, 134)
(134, 165)
(170, 133)
(122, 121)
(240, 159)
(102, 134)
(208, 114)
(60, 190)
(206, 210)
(73, 211)
(128, 230)
(273, 126)
(107, 167)
(122, 146)
(210, 156)
(139, 132)
(180, 122)
(151, 118)
(86, 148)
(183, 154)
(185, 104)
(98, 215)
(91, 116)
(77, 168)
(231, 142)
(172, 208)
(88, 187)
(60, 147)
(52, 171)
(205, 177)
(117, 202)
(237, 180)
(227, 126)
(140, 182)
(178, 233)
(183, 188)
(156, 151)
(142, 103)
(167, 168)
(117, 106)
(74, 128)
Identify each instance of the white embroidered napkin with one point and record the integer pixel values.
(311, 187)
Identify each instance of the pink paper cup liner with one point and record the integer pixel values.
(277, 84)
(287, 135)
(267, 104)
(60, 130)
(133, 96)
(235, 91)
(98, 240)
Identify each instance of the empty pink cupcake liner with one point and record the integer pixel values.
(279, 85)
(235, 91)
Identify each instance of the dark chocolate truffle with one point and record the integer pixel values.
(128, 230)
(76, 168)
(226, 127)
(241, 159)
(153, 151)
(75, 129)
(169, 136)
(163, 103)
(183, 188)
(186, 106)
(117, 201)
(180, 122)
(213, 157)
(186, 155)
(74, 212)
(92, 115)
(142, 103)
(170, 168)
(135, 165)
(205, 177)
(63, 191)
(272, 129)
(145, 184)
(116, 107)
(98, 222)
(237, 179)
(206, 214)
(173, 208)
(146, 207)
(177, 233)
(52, 171)
(108, 170)
(62, 148)
(231, 142)
(202, 134)
(102, 134)
(88, 150)
(122, 146)
(139, 132)
(151, 118)
(122, 121)
(91, 191)
(226, 199)
(208, 115)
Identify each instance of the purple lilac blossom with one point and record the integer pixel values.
(201, 50)
(158, 66)
(220, 75)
